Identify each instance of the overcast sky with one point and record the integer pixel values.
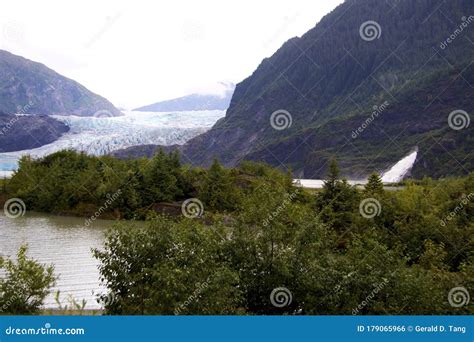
(139, 52)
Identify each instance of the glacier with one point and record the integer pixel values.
(102, 135)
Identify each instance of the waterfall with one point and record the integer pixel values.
(398, 171)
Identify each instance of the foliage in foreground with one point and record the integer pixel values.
(330, 260)
(258, 235)
(24, 285)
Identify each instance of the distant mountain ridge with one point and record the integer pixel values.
(191, 102)
(25, 82)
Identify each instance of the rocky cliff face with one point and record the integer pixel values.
(373, 80)
(27, 86)
(27, 132)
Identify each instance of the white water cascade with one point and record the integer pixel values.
(395, 174)
(398, 171)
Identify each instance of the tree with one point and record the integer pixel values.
(232, 263)
(337, 201)
(160, 182)
(332, 179)
(218, 191)
(167, 268)
(25, 285)
(374, 185)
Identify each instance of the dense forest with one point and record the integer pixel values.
(326, 83)
(248, 241)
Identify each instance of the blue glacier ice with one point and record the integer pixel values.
(102, 135)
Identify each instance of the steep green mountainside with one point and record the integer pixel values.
(27, 83)
(329, 81)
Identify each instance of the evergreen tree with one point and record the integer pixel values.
(374, 185)
(218, 192)
(332, 179)
(337, 201)
(160, 182)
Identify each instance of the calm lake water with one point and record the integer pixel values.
(64, 242)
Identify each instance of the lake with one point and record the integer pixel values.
(63, 241)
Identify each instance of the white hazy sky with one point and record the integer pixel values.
(139, 52)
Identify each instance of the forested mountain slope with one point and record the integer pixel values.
(371, 82)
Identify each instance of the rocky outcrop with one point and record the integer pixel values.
(22, 132)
